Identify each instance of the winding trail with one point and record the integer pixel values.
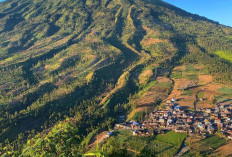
(96, 140)
(182, 151)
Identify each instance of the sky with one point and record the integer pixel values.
(217, 10)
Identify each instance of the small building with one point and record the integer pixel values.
(217, 120)
(170, 121)
(206, 121)
(178, 108)
(189, 120)
(168, 102)
(190, 131)
(181, 130)
(173, 100)
(210, 129)
(161, 120)
(109, 134)
(230, 137)
(122, 118)
(201, 126)
(208, 110)
(134, 133)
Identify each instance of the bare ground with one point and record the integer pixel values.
(97, 139)
(144, 76)
(224, 151)
(205, 85)
(148, 99)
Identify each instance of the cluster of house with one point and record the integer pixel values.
(202, 122)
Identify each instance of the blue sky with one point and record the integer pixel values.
(217, 10)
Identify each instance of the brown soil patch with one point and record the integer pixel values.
(205, 85)
(175, 92)
(144, 76)
(193, 139)
(150, 31)
(209, 91)
(198, 67)
(213, 87)
(97, 139)
(61, 59)
(224, 150)
(154, 93)
(47, 66)
(152, 41)
(140, 109)
(89, 56)
(187, 101)
(205, 79)
(183, 100)
(148, 99)
(179, 68)
(88, 50)
(91, 39)
(163, 80)
(205, 105)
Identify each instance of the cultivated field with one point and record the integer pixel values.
(205, 95)
(160, 145)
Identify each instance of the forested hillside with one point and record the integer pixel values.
(71, 67)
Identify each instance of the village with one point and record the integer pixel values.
(202, 122)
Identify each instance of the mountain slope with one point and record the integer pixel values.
(85, 59)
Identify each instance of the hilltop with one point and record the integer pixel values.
(71, 67)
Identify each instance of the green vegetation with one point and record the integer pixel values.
(225, 55)
(147, 87)
(225, 90)
(86, 141)
(172, 138)
(81, 60)
(139, 116)
(200, 95)
(214, 141)
(190, 68)
(64, 136)
(164, 84)
(177, 75)
(188, 92)
(204, 147)
(124, 143)
(192, 77)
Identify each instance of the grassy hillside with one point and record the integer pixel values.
(93, 60)
(225, 55)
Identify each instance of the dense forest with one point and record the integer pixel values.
(70, 68)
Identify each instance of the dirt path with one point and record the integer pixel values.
(133, 151)
(97, 139)
(182, 151)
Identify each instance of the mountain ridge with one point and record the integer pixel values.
(84, 59)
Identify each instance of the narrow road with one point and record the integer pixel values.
(97, 139)
(182, 151)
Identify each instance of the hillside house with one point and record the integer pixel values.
(109, 134)
(181, 130)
